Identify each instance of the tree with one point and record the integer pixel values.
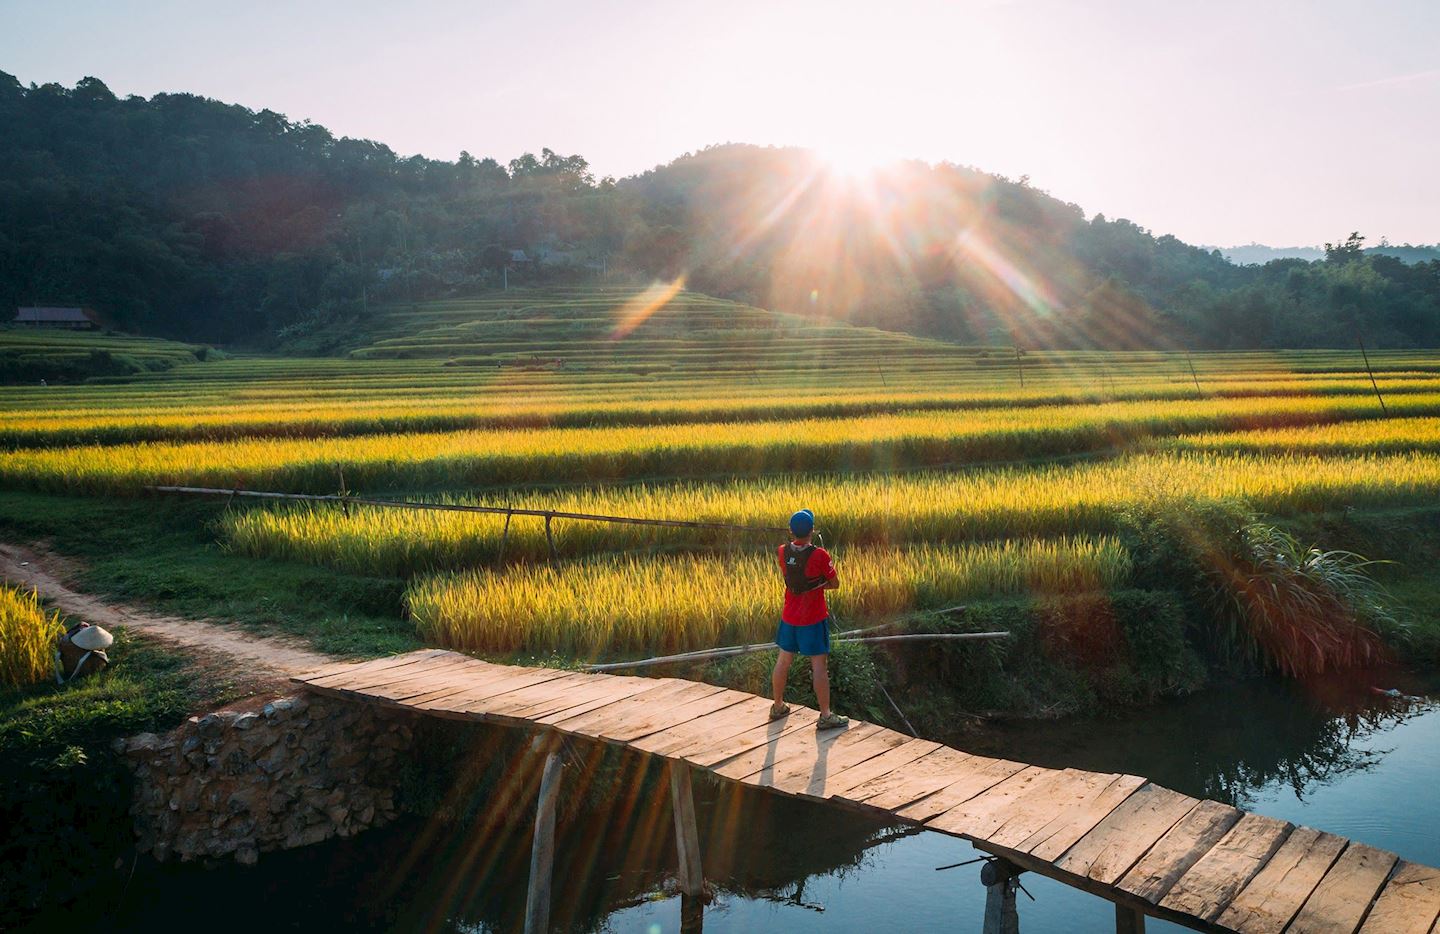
(1352, 249)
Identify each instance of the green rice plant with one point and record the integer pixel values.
(27, 638)
(678, 602)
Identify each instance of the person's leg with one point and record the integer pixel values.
(820, 675)
(779, 675)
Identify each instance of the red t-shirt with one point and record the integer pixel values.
(807, 609)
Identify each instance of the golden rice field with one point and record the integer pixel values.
(305, 409)
(27, 638)
(1370, 436)
(443, 460)
(871, 509)
(679, 602)
(937, 471)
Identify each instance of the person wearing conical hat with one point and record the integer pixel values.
(80, 651)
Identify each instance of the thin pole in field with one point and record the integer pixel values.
(1361, 341)
(504, 539)
(1196, 378)
(1020, 367)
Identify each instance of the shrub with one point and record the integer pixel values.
(1267, 600)
(1306, 610)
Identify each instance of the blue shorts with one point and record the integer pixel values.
(804, 640)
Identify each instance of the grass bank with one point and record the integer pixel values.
(67, 792)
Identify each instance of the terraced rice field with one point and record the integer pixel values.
(971, 470)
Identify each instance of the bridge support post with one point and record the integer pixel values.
(542, 849)
(1128, 920)
(1000, 879)
(687, 836)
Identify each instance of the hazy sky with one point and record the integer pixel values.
(1287, 122)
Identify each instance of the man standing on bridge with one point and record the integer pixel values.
(805, 619)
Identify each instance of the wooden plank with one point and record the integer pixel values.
(1181, 847)
(812, 778)
(420, 679)
(802, 757)
(758, 765)
(611, 716)
(846, 780)
(1117, 842)
(563, 709)
(370, 683)
(715, 728)
(923, 777)
(982, 816)
(376, 665)
(472, 699)
(1074, 819)
(1207, 889)
(659, 718)
(1409, 903)
(1341, 899)
(323, 671)
(706, 754)
(372, 669)
(373, 664)
(1276, 893)
(564, 695)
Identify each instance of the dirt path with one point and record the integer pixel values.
(36, 569)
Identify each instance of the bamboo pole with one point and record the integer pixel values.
(1193, 374)
(732, 650)
(1373, 384)
(542, 848)
(456, 507)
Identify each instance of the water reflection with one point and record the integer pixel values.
(1226, 743)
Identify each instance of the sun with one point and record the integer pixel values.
(854, 159)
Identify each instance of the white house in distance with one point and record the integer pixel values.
(73, 318)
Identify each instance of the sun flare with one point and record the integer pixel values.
(855, 159)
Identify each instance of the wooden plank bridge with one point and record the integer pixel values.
(1149, 850)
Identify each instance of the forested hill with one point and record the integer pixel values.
(184, 216)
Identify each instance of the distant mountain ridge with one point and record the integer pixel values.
(187, 217)
(1258, 254)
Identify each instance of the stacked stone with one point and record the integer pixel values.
(299, 771)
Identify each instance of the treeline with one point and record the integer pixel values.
(185, 216)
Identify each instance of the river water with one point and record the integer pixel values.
(1332, 754)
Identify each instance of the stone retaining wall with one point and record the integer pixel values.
(299, 771)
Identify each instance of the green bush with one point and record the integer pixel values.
(1257, 598)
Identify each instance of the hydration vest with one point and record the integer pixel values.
(795, 561)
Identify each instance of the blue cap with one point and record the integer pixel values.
(802, 523)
